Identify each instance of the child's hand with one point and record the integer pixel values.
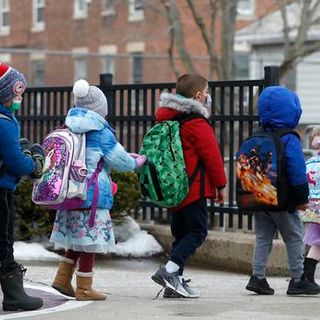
(302, 207)
(25, 146)
(134, 155)
(140, 161)
(220, 196)
(38, 156)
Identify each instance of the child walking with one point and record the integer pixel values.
(71, 229)
(189, 221)
(17, 159)
(312, 235)
(279, 108)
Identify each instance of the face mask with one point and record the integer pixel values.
(16, 104)
(208, 102)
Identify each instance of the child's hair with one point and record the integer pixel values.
(189, 84)
(316, 137)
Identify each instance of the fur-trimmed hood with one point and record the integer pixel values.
(180, 104)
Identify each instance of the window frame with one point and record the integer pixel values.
(108, 11)
(134, 13)
(246, 12)
(36, 6)
(77, 12)
(4, 29)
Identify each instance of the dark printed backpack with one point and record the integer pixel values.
(163, 179)
(261, 172)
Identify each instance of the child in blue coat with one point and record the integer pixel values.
(71, 229)
(279, 108)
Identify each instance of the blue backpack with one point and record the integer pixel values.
(261, 172)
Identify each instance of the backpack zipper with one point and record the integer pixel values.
(170, 136)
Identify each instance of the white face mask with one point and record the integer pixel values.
(208, 102)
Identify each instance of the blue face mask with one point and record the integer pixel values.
(16, 104)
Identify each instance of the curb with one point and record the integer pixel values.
(231, 251)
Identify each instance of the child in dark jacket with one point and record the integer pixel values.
(278, 108)
(189, 222)
(16, 159)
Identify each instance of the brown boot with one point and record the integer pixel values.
(62, 281)
(84, 289)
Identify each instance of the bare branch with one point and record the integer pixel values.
(283, 9)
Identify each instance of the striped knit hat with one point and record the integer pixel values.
(12, 83)
(90, 97)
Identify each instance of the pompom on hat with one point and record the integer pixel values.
(90, 97)
(12, 83)
(316, 137)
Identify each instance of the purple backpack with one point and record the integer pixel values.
(64, 183)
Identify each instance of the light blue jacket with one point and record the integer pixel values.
(100, 143)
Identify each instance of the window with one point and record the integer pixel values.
(4, 17)
(37, 70)
(136, 10)
(137, 67)
(38, 15)
(80, 9)
(246, 7)
(241, 62)
(108, 7)
(80, 68)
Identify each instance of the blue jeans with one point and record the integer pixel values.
(291, 230)
(189, 227)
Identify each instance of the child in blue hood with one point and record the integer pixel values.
(71, 228)
(278, 108)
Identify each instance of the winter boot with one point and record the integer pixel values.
(14, 296)
(84, 289)
(304, 286)
(62, 281)
(309, 268)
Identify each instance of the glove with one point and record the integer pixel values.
(140, 161)
(38, 156)
(25, 146)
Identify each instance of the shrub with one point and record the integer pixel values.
(33, 221)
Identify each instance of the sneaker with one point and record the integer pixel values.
(304, 286)
(260, 286)
(169, 280)
(193, 292)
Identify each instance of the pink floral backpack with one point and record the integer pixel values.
(64, 183)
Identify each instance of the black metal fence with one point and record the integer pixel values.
(131, 111)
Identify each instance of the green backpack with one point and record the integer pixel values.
(163, 179)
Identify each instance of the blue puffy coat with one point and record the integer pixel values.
(15, 162)
(100, 143)
(280, 107)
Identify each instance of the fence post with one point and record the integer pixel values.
(106, 80)
(271, 76)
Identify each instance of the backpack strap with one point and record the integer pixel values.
(94, 181)
(3, 116)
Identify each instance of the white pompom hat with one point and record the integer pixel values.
(90, 97)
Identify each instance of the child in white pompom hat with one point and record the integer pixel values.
(71, 229)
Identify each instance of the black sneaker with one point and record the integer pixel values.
(260, 286)
(304, 286)
(169, 280)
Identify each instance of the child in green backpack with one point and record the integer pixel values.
(189, 221)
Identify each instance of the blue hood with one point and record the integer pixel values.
(279, 107)
(81, 120)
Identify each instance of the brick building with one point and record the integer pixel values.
(55, 42)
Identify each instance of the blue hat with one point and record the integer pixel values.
(12, 83)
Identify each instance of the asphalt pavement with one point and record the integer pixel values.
(131, 295)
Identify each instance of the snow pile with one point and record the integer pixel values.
(131, 242)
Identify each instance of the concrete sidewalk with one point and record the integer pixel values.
(131, 295)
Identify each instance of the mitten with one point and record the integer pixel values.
(140, 161)
(25, 146)
(38, 156)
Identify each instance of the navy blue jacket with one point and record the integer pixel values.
(278, 108)
(15, 162)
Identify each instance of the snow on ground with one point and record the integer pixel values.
(131, 241)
